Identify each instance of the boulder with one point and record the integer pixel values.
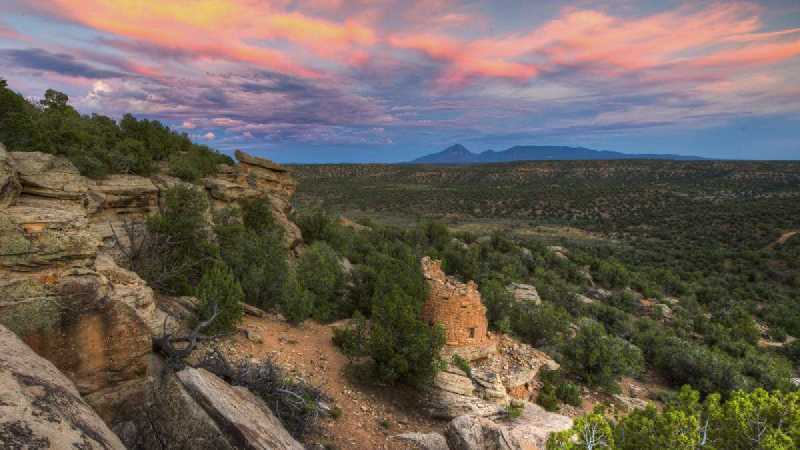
(535, 425)
(423, 441)
(41, 408)
(524, 293)
(47, 175)
(244, 418)
(168, 417)
(264, 163)
(479, 433)
(453, 393)
(10, 186)
(598, 293)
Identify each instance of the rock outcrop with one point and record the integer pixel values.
(454, 393)
(256, 177)
(532, 428)
(61, 289)
(41, 408)
(524, 293)
(529, 431)
(479, 433)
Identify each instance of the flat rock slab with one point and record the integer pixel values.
(242, 416)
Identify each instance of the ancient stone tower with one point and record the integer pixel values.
(458, 308)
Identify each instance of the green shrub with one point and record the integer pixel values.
(547, 397)
(176, 247)
(257, 258)
(498, 301)
(792, 351)
(569, 393)
(462, 364)
(220, 293)
(599, 359)
(316, 226)
(257, 216)
(297, 304)
(403, 348)
(319, 272)
(352, 338)
(540, 325)
(514, 411)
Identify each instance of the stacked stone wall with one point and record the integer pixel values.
(456, 306)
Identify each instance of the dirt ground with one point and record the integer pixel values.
(371, 414)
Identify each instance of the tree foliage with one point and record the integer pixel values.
(97, 144)
(747, 420)
(219, 293)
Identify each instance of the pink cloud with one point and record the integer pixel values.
(8, 32)
(599, 43)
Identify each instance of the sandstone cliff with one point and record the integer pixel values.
(61, 290)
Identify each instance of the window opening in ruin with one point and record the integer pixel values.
(472, 333)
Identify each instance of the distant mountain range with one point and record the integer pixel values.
(458, 154)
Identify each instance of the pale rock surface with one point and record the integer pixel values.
(246, 421)
(479, 433)
(453, 393)
(532, 428)
(524, 293)
(424, 441)
(41, 408)
(49, 175)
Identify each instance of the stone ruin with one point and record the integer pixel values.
(457, 307)
(502, 370)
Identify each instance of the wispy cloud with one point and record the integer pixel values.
(366, 72)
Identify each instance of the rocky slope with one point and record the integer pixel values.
(61, 289)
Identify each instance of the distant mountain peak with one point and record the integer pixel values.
(458, 154)
(455, 154)
(456, 149)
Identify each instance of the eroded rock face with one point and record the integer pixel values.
(453, 393)
(10, 186)
(47, 175)
(40, 407)
(258, 177)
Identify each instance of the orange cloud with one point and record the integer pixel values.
(237, 31)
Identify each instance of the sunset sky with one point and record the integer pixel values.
(371, 80)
